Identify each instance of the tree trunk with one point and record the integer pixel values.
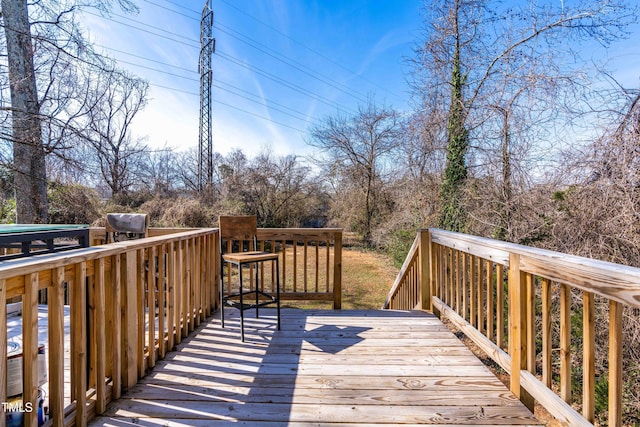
(30, 179)
(452, 214)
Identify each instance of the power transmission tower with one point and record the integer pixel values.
(205, 144)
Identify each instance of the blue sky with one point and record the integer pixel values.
(279, 66)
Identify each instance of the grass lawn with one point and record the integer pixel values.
(367, 277)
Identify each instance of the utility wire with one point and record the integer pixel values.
(263, 101)
(320, 54)
(292, 86)
(233, 107)
(269, 104)
(195, 46)
(147, 59)
(291, 63)
(273, 53)
(234, 60)
(175, 11)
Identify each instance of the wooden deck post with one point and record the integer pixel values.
(3, 345)
(518, 329)
(615, 363)
(116, 325)
(130, 323)
(101, 335)
(337, 271)
(79, 341)
(425, 270)
(30, 348)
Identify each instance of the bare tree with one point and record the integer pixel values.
(42, 39)
(358, 150)
(472, 46)
(282, 191)
(160, 171)
(30, 178)
(118, 98)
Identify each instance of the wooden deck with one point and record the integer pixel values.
(324, 368)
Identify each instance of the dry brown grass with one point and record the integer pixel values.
(367, 277)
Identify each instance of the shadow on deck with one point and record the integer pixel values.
(356, 368)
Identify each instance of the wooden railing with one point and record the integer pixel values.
(131, 302)
(310, 263)
(524, 308)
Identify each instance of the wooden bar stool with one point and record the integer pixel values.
(235, 231)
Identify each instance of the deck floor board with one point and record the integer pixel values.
(324, 368)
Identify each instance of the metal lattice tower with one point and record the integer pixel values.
(205, 143)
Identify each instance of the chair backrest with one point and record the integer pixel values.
(239, 228)
(126, 226)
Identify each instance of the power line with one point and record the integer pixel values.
(274, 54)
(162, 35)
(320, 54)
(293, 64)
(233, 107)
(263, 103)
(285, 83)
(236, 61)
(165, 64)
(292, 113)
(262, 117)
(175, 11)
(167, 35)
(174, 89)
(237, 91)
(157, 70)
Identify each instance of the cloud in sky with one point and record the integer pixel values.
(278, 37)
(304, 59)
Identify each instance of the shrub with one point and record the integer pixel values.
(183, 212)
(73, 204)
(399, 244)
(7, 211)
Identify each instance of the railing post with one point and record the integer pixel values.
(29, 347)
(116, 323)
(615, 363)
(79, 342)
(3, 345)
(56, 343)
(425, 270)
(518, 329)
(100, 334)
(589, 357)
(130, 323)
(337, 271)
(437, 275)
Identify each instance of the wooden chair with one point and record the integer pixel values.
(238, 230)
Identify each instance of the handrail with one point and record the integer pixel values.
(130, 302)
(404, 293)
(310, 265)
(307, 273)
(479, 283)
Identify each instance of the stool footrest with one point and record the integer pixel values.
(249, 295)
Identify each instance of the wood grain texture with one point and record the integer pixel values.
(3, 345)
(323, 368)
(613, 281)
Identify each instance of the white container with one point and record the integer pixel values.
(14, 367)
